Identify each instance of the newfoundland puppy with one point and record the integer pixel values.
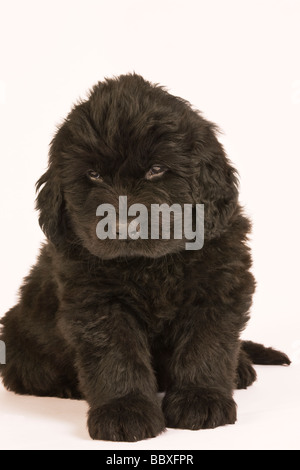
(115, 319)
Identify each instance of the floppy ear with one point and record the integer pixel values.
(218, 185)
(50, 204)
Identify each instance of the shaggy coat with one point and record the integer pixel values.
(115, 321)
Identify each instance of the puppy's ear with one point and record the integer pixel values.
(218, 184)
(50, 204)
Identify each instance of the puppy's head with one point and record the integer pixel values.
(133, 139)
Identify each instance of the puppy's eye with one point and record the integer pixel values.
(155, 170)
(94, 175)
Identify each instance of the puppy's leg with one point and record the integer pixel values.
(202, 371)
(38, 360)
(36, 363)
(206, 345)
(114, 367)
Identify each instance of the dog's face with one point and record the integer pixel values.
(133, 139)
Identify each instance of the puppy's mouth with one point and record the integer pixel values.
(129, 248)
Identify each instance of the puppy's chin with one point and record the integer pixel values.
(112, 249)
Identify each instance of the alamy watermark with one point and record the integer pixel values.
(2, 353)
(166, 222)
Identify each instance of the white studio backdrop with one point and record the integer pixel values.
(235, 60)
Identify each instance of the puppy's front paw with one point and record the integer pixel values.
(130, 418)
(198, 408)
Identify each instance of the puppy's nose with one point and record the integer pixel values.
(124, 231)
(134, 231)
(121, 229)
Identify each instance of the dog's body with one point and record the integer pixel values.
(114, 321)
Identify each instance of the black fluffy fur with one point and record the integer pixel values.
(113, 322)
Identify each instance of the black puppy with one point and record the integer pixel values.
(113, 321)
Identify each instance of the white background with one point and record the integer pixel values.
(238, 62)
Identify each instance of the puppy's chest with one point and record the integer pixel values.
(158, 295)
